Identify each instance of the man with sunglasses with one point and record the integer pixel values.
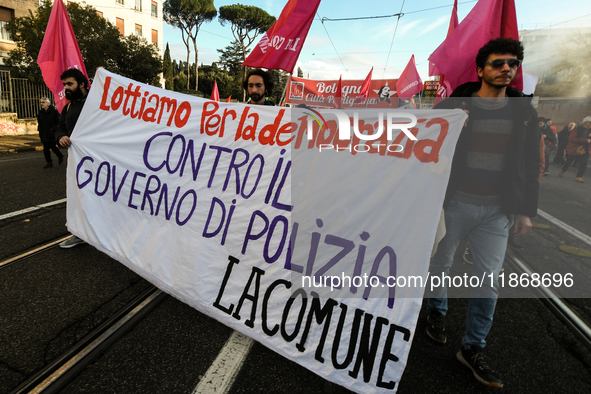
(492, 189)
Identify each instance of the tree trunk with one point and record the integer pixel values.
(188, 63)
(196, 64)
(243, 71)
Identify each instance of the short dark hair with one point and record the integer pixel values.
(77, 75)
(266, 79)
(499, 45)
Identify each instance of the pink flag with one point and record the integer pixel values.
(409, 82)
(59, 51)
(338, 97)
(444, 89)
(453, 22)
(215, 95)
(364, 91)
(455, 57)
(280, 47)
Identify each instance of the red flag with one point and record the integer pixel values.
(364, 91)
(453, 22)
(59, 51)
(280, 47)
(229, 99)
(444, 89)
(215, 95)
(338, 97)
(489, 19)
(409, 82)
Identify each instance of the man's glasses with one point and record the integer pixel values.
(497, 64)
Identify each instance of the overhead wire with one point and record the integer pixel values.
(393, 36)
(335, 48)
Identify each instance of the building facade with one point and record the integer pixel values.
(11, 9)
(139, 17)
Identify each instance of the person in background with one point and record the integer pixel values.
(549, 140)
(76, 89)
(47, 120)
(553, 128)
(259, 85)
(578, 147)
(562, 142)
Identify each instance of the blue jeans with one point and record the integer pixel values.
(487, 229)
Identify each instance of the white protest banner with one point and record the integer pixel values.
(241, 213)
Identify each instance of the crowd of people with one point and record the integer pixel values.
(571, 145)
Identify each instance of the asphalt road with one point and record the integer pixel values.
(54, 298)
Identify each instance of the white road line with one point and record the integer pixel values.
(222, 373)
(31, 209)
(572, 231)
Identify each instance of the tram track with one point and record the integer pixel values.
(57, 374)
(31, 252)
(559, 308)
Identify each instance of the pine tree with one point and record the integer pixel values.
(167, 70)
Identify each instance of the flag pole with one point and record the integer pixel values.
(282, 101)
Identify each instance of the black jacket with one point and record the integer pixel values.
(550, 137)
(69, 117)
(47, 121)
(519, 180)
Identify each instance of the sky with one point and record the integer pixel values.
(351, 48)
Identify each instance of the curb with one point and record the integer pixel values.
(21, 149)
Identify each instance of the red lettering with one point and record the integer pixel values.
(150, 113)
(103, 105)
(126, 110)
(285, 129)
(339, 144)
(407, 152)
(433, 154)
(226, 114)
(248, 132)
(268, 132)
(205, 114)
(301, 131)
(169, 103)
(179, 120)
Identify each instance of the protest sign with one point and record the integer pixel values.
(243, 211)
(323, 93)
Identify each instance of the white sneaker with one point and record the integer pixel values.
(71, 242)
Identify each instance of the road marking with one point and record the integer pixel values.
(31, 209)
(572, 231)
(222, 373)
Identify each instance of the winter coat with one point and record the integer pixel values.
(69, 117)
(47, 121)
(519, 184)
(577, 137)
